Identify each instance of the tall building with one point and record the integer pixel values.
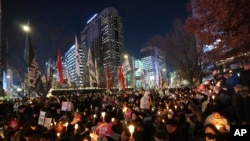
(154, 65)
(103, 34)
(70, 66)
(137, 66)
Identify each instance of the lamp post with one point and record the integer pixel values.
(26, 30)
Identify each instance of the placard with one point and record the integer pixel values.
(47, 123)
(66, 106)
(41, 117)
(103, 129)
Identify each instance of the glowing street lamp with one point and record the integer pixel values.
(125, 56)
(26, 28)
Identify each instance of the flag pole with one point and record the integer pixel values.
(26, 29)
(34, 74)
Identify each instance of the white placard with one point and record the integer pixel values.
(41, 117)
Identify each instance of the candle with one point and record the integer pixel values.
(94, 115)
(66, 126)
(103, 116)
(213, 97)
(163, 120)
(124, 109)
(112, 119)
(76, 127)
(175, 106)
(218, 126)
(51, 125)
(58, 135)
(131, 129)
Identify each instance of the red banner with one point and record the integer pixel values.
(108, 84)
(59, 67)
(121, 78)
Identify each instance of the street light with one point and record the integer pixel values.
(26, 28)
(125, 56)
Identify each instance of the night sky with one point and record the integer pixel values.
(55, 23)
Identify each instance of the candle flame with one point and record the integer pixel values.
(131, 128)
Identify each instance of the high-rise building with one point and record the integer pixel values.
(137, 66)
(103, 34)
(154, 65)
(70, 65)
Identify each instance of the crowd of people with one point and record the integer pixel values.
(203, 113)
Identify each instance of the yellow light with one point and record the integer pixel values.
(58, 134)
(76, 126)
(125, 56)
(131, 129)
(26, 28)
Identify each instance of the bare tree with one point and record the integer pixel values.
(225, 24)
(182, 53)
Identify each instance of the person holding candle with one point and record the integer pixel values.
(34, 129)
(126, 135)
(218, 120)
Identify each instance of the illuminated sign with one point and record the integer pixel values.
(91, 18)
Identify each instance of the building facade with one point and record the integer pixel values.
(137, 66)
(71, 67)
(103, 34)
(154, 66)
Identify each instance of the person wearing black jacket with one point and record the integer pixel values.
(244, 78)
(172, 128)
(25, 116)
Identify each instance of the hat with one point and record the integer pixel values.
(172, 122)
(238, 86)
(22, 107)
